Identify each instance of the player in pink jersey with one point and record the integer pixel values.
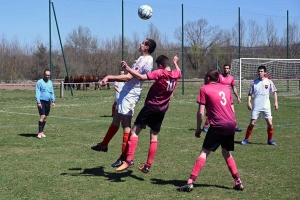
(217, 100)
(154, 110)
(228, 80)
(261, 88)
(129, 97)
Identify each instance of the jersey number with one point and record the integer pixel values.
(222, 95)
(171, 85)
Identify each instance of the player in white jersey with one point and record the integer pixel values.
(118, 87)
(261, 88)
(129, 97)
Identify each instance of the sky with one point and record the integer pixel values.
(28, 20)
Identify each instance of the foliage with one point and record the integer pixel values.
(62, 165)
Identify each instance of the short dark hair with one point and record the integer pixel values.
(151, 44)
(213, 75)
(262, 67)
(163, 60)
(227, 65)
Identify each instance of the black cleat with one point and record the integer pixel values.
(100, 147)
(239, 187)
(118, 162)
(186, 188)
(145, 169)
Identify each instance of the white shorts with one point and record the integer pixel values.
(126, 103)
(255, 114)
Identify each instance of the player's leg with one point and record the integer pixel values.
(132, 144)
(151, 151)
(112, 130)
(270, 130)
(254, 117)
(227, 143)
(113, 108)
(211, 143)
(126, 122)
(154, 121)
(43, 111)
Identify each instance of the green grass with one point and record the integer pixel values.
(62, 166)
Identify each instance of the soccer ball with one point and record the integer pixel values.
(145, 12)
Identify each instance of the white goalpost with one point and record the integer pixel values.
(285, 73)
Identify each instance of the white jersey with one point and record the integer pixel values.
(143, 65)
(261, 90)
(119, 85)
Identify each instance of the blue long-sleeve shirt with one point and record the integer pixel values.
(44, 91)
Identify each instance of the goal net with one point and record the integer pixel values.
(285, 73)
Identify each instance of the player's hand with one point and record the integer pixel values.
(175, 59)
(104, 81)
(53, 105)
(39, 106)
(249, 106)
(239, 100)
(276, 106)
(198, 133)
(124, 64)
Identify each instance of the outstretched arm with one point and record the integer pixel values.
(175, 60)
(134, 73)
(120, 78)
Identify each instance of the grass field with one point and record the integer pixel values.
(62, 166)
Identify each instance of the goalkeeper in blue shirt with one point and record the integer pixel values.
(44, 95)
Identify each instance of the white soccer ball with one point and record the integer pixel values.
(145, 12)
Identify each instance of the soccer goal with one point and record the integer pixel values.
(285, 73)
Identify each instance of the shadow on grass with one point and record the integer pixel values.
(28, 134)
(239, 142)
(99, 171)
(179, 183)
(106, 116)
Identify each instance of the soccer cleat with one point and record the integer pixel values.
(145, 169)
(39, 136)
(237, 129)
(271, 142)
(205, 129)
(119, 162)
(125, 165)
(239, 187)
(186, 188)
(244, 142)
(100, 147)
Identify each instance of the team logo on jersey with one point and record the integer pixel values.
(266, 86)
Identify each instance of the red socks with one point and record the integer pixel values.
(270, 133)
(151, 152)
(125, 144)
(197, 168)
(110, 134)
(248, 133)
(232, 168)
(132, 144)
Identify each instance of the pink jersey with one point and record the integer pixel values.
(217, 99)
(226, 80)
(160, 92)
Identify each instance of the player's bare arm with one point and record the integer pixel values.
(200, 114)
(120, 78)
(236, 94)
(249, 102)
(134, 73)
(275, 100)
(175, 60)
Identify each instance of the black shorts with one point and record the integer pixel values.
(149, 117)
(216, 137)
(45, 110)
